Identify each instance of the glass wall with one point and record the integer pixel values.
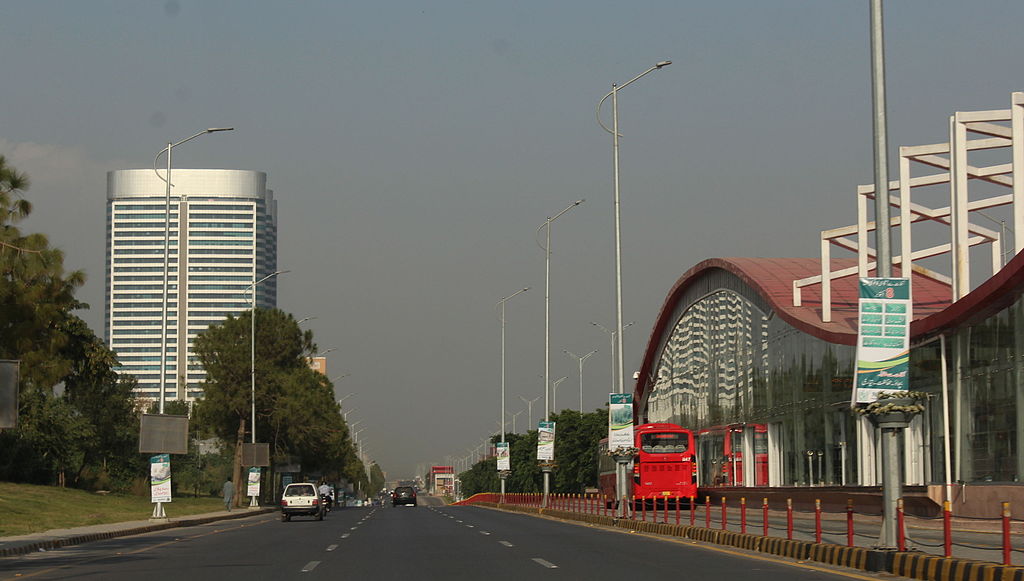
(729, 363)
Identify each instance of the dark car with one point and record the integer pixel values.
(403, 495)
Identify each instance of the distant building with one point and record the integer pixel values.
(223, 238)
(318, 364)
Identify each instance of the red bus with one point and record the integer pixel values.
(664, 466)
(720, 449)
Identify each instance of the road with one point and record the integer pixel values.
(424, 542)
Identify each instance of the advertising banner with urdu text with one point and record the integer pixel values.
(546, 441)
(254, 482)
(883, 337)
(620, 421)
(160, 478)
(504, 460)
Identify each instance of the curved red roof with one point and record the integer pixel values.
(772, 279)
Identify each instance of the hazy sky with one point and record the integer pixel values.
(415, 148)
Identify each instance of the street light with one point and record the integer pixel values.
(529, 403)
(514, 416)
(344, 415)
(547, 294)
(167, 258)
(614, 94)
(554, 393)
(581, 360)
(303, 320)
(347, 396)
(612, 333)
(252, 353)
(501, 473)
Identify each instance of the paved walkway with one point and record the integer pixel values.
(56, 538)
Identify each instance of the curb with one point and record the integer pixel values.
(905, 564)
(88, 538)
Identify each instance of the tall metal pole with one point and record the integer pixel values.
(167, 258)
(503, 475)
(252, 357)
(884, 252)
(547, 300)
(580, 360)
(891, 478)
(167, 261)
(614, 94)
(502, 304)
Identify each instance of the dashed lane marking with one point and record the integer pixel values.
(506, 543)
(345, 536)
(331, 547)
(312, 565)
(484, 533)
(544, 563)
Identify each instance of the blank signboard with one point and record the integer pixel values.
(8, 394)
(163, 434)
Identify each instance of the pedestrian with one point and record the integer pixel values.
(229, 493)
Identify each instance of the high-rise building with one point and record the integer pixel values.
(223, 238)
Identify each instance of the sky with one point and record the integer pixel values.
(415, 149)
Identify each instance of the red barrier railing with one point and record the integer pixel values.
(590, 503)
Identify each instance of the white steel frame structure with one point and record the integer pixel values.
(972, 131)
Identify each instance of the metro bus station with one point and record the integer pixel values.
(757, 355)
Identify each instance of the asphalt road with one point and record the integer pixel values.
(424, 542)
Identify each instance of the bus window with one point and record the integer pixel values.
(664, 443)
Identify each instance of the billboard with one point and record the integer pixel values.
(163, 434)
(504, 460)
(883, 337)
(620, 421)
(9, 374)
(546, 441)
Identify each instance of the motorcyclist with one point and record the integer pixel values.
(326, 494)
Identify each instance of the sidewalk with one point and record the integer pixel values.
(56, 538)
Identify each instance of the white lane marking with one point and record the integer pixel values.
(331, 547)
(470, 526)
(458, 521)
(544, 563)
(506, 543)
(353, 528)
(310, 566)
(345, 536)
(484, 533)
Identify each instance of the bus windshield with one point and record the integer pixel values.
(664, 443)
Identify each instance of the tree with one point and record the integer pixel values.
(93, 424)
(377, 479)
(295, 408)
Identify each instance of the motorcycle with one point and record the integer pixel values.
(327, 502)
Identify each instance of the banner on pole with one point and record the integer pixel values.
(504, 459)
(883, 337)
(546, 441)
(160, 478)
(254, 482)
(620, 421)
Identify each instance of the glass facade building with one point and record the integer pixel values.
(731, 358)
(222, 238)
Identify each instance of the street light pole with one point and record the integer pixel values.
(614, 94)
(547, 298)
(167, 258)
(611, 334)
(503, 474)
(252, 355)
(554, 394)
(580, 360)
(620, 460)
(529, 404)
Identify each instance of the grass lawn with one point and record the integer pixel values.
(28, 508)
